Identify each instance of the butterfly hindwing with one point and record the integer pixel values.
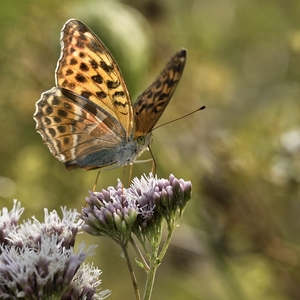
(73, 133)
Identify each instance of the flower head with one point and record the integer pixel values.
(37, 260)
(9, 220)
(31, 232)
(110, 213)
(118, 212)
(85, 285)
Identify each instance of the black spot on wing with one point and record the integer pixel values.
(86, 94)
(80, 78)
(69, 72)
(66, 140)
(61, 129)
(83, 67)
(55, 101)
(106, 67)
(62, 113)
(97, 79)
(119, 94)
(112, 84)
(57, 120)
(94, 64)
(52, 132)
(47, 121)
(49, 110)
(73, 61)
(101, 95)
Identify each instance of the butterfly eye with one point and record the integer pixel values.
(141, 140)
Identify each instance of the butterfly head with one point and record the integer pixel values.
(143, 143)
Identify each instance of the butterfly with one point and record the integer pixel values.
(88, 120)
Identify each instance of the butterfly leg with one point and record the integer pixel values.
(96, 181)
(130, 173)
(153, 169)
(123, 176)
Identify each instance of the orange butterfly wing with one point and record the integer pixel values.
(87, 120)
(150, 105)
(87, 68)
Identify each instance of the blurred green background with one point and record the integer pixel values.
(239, 237)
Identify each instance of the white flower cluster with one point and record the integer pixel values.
(37, 259)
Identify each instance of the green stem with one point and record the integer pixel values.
(150, 278)
(140, 255)
(154, 263)
(132, 275)
(172, 225)
(166, 245)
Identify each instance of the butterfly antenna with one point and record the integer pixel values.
(200, 108)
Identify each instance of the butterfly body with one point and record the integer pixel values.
(87, 120)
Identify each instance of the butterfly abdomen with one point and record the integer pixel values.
(123, 155)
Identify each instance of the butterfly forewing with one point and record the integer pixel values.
(150, 105)
(88, 69)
